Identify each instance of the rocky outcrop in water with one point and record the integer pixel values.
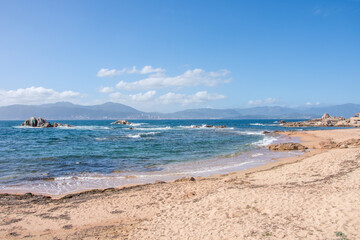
(326, 121)
(287, 147)
(123, 122)
(42, 123)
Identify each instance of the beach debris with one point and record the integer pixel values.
(286, 147)
(42, 123)
(123, 122)
(185, 179)
(326, 121)
(159, 182)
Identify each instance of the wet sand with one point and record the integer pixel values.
(313, 196)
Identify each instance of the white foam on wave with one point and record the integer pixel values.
(137, 124)
(84, 128)
(257, 154)
(264, 124)
(204, 126)
(139, 135)
(100, 139)
(154, 129)
(69, 128)
(250, 132)
(265, 141)
(257, 124)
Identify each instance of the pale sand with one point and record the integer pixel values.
(307, 197)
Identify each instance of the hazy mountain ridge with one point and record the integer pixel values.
(69, 111)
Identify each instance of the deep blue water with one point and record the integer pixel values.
(97, 147)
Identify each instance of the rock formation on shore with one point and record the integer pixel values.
(123, 122)
(326, 121)
(42, 123)
(287, 147)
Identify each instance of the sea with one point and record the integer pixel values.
(97, 154)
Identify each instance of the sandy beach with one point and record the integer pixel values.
(312, 196)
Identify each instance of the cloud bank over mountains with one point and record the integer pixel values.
(149, 88)
(161, 88)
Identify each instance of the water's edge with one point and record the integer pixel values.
(256, 158)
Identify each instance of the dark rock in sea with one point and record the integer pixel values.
(282, 121)
(41, 123)
(31, 122)
(123, 122)
(266, 132)
(287, 147)
(57, 124)
(47, 125)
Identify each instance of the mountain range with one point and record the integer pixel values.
(70, 111)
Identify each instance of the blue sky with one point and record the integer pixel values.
(172, 55)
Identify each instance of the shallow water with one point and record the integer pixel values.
(96, 154)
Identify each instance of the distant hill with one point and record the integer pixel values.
(65, 110)
(69, 111)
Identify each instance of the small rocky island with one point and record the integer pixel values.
(326, 121)
(123, 122)
(42, 123)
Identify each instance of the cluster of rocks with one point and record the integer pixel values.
(123, 122)
(287, 147)
(346, 144)
(326, 121)
(42, 123)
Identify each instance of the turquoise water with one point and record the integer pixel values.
(96, 154)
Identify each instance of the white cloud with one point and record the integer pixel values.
(267, 101)
(104, 72)
(188, 79)
(106, 89)
(183, 99)
(150, 69)
(139, 97)
(36, 95)
(148, 98)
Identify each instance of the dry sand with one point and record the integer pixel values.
(307, 197)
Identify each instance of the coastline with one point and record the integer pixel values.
(153, 204)
(57, 187)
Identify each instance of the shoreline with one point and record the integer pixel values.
(173, 178)
(305, 197)
(299, 137)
